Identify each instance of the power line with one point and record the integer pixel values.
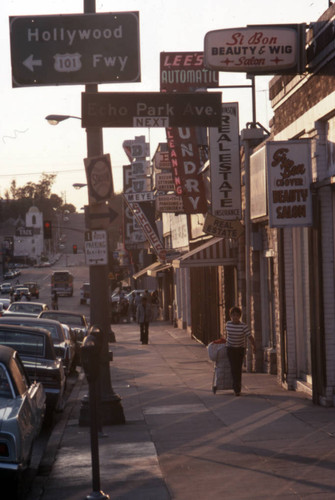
(51, 172)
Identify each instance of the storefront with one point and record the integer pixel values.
(205, 282)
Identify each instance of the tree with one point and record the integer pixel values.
(18, 200)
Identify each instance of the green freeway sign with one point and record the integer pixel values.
(75, 49)
(151, 109)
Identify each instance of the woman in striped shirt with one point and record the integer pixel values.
(237, 332)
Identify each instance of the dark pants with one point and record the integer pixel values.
(144, 330)
(235, 356)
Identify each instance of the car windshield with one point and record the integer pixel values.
(26, 344)
(51, 328)
(68, 319)
(25, 307)
(5, 390)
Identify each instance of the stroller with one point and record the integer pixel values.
(222, 377)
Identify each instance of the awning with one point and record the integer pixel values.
(160, 268)
(146, 270)
(215, 252)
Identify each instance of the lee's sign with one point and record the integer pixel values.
(256, 49)
(289, 174)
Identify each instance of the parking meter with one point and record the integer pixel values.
(90, 358)
(90, 353)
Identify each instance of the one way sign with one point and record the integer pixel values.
(99, 216)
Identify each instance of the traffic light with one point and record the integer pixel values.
(74, 248)
(47, 227)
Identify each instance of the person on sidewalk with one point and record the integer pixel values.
(155, 305)
(54, 300)
(237, 332)
(143, 317)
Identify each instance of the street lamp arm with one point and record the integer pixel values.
(55, 119)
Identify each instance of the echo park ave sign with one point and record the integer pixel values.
(151, 109)
(75, 49)
(257, 49)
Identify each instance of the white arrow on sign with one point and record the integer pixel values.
(30, 62)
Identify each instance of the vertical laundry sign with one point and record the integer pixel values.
(225, 165)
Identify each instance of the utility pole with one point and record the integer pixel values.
(111, 410)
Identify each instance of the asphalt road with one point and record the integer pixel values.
(76, 265)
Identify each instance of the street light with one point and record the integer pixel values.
(78, 185)
(55, 119)
(111, 408)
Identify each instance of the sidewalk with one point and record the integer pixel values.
(182, 442)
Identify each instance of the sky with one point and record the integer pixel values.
(30, 146)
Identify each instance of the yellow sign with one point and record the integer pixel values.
(222, 228)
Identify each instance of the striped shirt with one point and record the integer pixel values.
(236, 334)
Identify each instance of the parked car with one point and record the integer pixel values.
(36, 350)
(5, 302)
(65, 348)
(76, 321)
(71, 337)
(34, 288)
(21, 292)
(6, 288)
(22, 410)
(9, 275)
(26, 308)
(85, 293)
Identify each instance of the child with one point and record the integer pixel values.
(237, 332)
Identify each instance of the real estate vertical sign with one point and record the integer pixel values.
(225, 165)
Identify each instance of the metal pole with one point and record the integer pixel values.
(111, 409)
(93, 391)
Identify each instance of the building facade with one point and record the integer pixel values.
(293, 267)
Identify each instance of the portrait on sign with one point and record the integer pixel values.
(99, 178)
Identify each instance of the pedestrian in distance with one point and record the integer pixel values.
(143, 317)
(137, 301)
(155, 305)
(54, 300)
(237, 332)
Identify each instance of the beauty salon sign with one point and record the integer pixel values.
(289, 178)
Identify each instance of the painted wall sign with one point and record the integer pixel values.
(161, 160)
(223, 228)
(169, 203)
(289, 178)
(254, 49)
(164, 182)
(225, 165)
